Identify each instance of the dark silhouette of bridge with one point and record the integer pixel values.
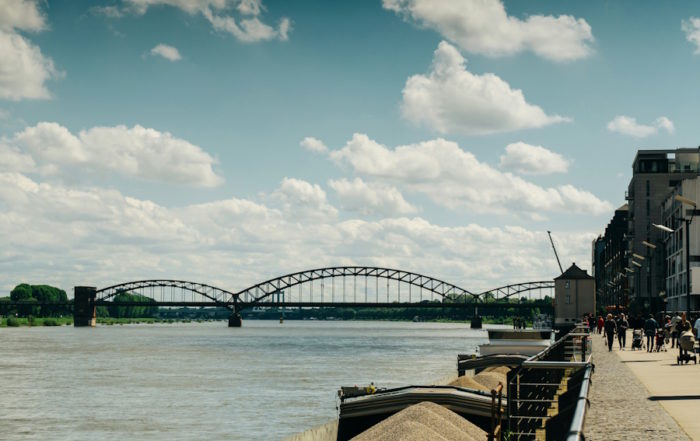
(346, 286)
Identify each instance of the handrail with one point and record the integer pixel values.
(577, 421)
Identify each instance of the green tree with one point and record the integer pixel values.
(21, 292)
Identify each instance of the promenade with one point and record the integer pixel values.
(639, 395)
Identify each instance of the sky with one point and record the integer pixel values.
(231, 141)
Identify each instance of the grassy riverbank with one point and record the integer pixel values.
(12, 322)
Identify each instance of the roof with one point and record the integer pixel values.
(574, 273)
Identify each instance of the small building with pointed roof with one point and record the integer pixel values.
(574, 296)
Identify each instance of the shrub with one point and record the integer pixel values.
(12, 321)
(51, 322)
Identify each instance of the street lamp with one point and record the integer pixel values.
(651, 248)
(687, 222)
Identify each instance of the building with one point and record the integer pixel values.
(675, 215)
(655, 173)
(574, 296)
(610, 261)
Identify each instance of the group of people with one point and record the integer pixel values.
(671, 328)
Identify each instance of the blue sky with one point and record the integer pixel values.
(146, 138)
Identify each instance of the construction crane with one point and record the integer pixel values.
(555, 251)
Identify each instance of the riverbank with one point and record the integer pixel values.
(11, 322)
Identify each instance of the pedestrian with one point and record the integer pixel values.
(650, 331)
(591, 323)
(601, 322)
(697, 328)
(622, 326)
(682, 327)
(609, 331)
(674, 332)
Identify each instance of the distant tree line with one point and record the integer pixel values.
(36, 300)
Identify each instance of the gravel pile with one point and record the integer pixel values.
(469, 382)
(498, 369)
(490, 379)
(421, 422)
(485, 380)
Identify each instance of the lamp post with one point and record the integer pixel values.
(686, 222)
(651, 248)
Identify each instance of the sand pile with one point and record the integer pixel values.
(469, 382)
(490, 379)
(498, 369)
(423, 421)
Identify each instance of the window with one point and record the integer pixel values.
(568, 298)
(648, 208)
(648, 189)
(567, 284)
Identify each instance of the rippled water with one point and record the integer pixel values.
(205, 380)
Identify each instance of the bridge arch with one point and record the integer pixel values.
(164, 290)
(508, 291)
(259, 294)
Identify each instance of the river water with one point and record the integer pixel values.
(264, 381)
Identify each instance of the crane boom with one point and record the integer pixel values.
(555, 251)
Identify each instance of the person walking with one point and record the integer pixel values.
(601, 322)
(683, 326)
(609, 329)
(674, 331)
(650, 326)
(622, 325)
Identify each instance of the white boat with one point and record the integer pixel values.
(516, 341)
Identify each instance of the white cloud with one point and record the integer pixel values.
(691, 28)
(303, 199)
(70, 236)
(484, 27)
(455, 178)
(135, 152)
(533, 160)
(371, 198)
(451, 99)
(24, 69)
(313, 145)
(21, 15)
(168, 52)
(248, 28)
(627, 125)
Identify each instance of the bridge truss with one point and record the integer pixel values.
(331, 286)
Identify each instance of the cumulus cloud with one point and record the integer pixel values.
(627, 125)
(371, 198)
(135, 152)
(70, 236)
(455, 178)
(313, 145)
(248, 27)
(168, 52)
(24, 68)
(484, 27)
(303, 199)
(533, 160)
(452, 99)
(691, 29)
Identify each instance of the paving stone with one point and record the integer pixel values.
(619, 407)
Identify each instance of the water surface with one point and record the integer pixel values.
(205, 380)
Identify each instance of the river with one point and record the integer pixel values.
(264, 381)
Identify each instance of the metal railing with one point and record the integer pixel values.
(548, 393)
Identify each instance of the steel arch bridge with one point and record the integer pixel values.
(331, 286)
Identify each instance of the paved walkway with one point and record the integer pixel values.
(620, 405)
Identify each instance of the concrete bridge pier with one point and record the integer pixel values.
(84, 309)
(235, 321)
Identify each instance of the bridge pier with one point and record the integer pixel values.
(476, 322)
(235, 321)
(84, 309)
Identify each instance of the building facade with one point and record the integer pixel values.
(610, 260)
(574, 296)
(655, 173)
(675, 215)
